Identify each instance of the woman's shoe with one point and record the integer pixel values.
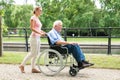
(35, 71)
(22, 68)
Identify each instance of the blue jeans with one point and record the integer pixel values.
(76, 52)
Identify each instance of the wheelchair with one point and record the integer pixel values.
(51, 61)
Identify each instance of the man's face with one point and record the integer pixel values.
(59, 27)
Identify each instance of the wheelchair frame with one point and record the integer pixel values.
(51, 61)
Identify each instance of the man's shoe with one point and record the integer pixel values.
(35, 71)
(22, 68)
(87, 64)
(80, 65)
(91, 64)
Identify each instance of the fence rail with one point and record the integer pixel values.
(75, 32)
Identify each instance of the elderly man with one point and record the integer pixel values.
(73, 48)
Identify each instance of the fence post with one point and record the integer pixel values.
(109, 40)
(65, 34)
(26, 40)
(1, 46)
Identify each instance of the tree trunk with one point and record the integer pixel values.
(1, 36)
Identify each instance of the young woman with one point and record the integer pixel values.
(35, 26)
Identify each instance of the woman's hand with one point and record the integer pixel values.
(43, 34)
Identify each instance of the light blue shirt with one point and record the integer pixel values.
(54, 36)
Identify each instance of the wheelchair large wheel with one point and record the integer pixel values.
(50, 62)
(65, 57)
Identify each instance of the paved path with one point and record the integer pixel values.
(11, 72)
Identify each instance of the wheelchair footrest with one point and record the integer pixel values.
(74, 69)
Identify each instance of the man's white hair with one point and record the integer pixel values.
(57, 22)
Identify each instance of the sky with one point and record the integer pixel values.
(97, 3)
(20, 2)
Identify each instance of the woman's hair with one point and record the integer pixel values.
(36, 8)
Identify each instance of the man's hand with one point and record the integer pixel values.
(73, 43)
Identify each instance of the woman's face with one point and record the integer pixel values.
(39, 11)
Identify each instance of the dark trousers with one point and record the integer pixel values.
(76, 52)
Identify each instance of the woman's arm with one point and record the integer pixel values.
(32, 22)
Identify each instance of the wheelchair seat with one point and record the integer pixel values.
(59, 48)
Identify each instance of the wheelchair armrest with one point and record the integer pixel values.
(65, 48)
(52, 46)
(60, 49)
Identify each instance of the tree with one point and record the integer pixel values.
(7, 16)
(1, 13)
(0, 36)
(71, 14)
(17, 15)
(3, 4)
(112, 12)
(111, 9)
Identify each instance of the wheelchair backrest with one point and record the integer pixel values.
(49, 42)
(59, 48)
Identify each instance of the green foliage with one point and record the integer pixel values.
(73, 13)
(23, 15)
(7, 16)
(112, 12)
(111, 16)
(1, 12)
(18, 16)
(4, 29)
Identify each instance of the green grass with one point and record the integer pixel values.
(105, 61)
(12, 57)
(20, 39)
(100, 60)
(79, 40)
(12, 39)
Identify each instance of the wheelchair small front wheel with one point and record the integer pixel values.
(73, 72)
